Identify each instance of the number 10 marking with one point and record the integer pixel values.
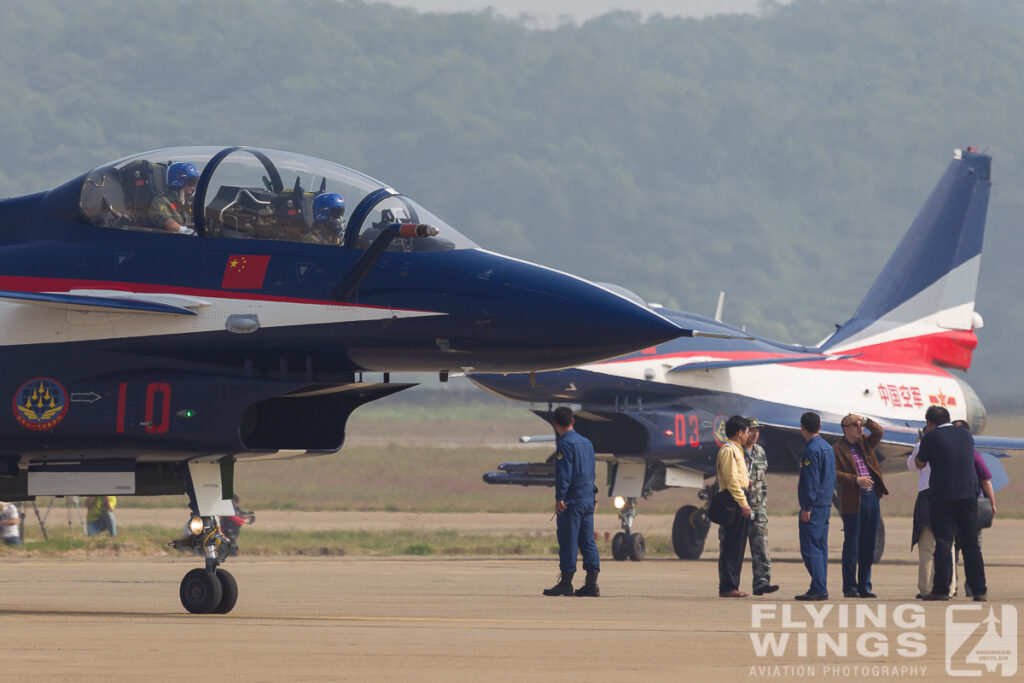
(163, 389)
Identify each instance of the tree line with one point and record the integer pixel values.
(778, 157)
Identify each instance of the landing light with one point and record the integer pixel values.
(195, 526)
(620, 502)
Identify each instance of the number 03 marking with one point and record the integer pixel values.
(688, 430)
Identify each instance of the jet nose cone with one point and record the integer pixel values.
(606, 324)
(556, 320)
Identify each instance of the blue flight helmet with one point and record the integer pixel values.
(181, 174)
(327, 205)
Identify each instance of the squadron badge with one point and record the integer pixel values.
(40, 404)
(719, 429)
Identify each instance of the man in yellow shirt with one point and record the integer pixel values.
(734, 478)
(100, 516)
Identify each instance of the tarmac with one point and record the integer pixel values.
(357, 618)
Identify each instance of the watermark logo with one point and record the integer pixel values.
(981, 638)
(880, 640)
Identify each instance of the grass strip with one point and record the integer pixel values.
(149, 541)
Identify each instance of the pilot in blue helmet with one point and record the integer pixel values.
(172, 210)
(328, 219)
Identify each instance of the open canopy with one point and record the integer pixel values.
(250, 193)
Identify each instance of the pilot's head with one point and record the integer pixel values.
(328, 206)
(182, 176)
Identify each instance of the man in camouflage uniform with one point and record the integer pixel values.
(757, 465)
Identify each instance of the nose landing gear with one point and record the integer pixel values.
(210, 589)
(626, 543)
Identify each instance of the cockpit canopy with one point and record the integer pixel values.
(249, 193)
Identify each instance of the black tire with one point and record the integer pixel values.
(229, 592)
(689, 531)
(880, 541)
(637, 547)
(619, 550)
(200, 592)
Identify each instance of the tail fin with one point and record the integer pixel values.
(921, 307)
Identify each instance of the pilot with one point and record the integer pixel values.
(328, 222)
(172, 210)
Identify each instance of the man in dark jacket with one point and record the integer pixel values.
(860, 488)
(953, 502)
(574, 505)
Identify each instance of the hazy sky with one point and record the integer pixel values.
(549, 11)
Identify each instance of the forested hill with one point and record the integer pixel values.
(778, 157)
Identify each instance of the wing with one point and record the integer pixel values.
(105, 300)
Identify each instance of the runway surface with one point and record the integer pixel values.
(466, 619)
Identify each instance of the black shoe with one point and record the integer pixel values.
(866, 594)
(919, 596)
(850, 594)
(590, 588)
(812, 596)
(928, 597)
(563, 587)
(764, 589)
(980, 597)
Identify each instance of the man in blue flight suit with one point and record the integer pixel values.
(814, 492)
(574, 505)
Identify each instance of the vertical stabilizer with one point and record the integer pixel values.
(921, 307)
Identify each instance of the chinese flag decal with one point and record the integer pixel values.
(245, 272)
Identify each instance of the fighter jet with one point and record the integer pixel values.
(658, 415)
(171, 313)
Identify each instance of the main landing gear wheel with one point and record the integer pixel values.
(637, 547)
(229, 592)
(619, 550)
(689, 531)
(201, 591)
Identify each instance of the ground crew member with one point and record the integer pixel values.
(757, 467)
(10, 524)
(172, 210)
(100, 516)
(860, 488)
(814, 492)
(574, 506)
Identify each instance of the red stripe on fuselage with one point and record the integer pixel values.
(867, 362)
(50, 284)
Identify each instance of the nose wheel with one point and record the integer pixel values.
(626, 544)
(210, 589)
(206, 592)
